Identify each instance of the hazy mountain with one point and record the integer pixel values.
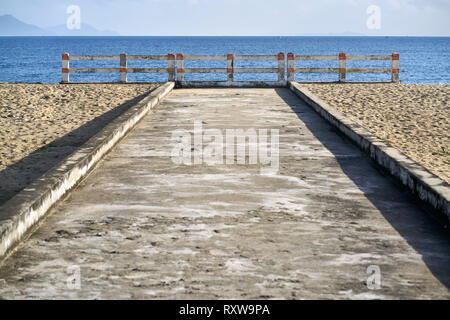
(10, 26)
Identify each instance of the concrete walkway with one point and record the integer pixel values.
(141, 226)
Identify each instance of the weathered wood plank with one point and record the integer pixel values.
(205, 70)
(147, 70)
(94, 70)
(255, 70)
(369, 57)
(290, 67)
(95, 57)
(316, 70)
(171, 70)
(230, 67)
(123, 68)
(65, 67)
(203, 57)
(256, 57)
(281, 66)
(146, 57)
(342, 67)
(180, 68)
(316, 57)
(368, 70)
(395, 67)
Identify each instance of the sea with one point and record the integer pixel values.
(38, 59)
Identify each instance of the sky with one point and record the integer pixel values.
(243, 17)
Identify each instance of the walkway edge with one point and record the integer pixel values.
(429, 188)
(23, 211)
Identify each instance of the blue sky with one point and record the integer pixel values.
(241, 17)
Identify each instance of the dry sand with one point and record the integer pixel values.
(415, 119)
(40, 125)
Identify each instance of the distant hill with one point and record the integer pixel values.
(11, 26)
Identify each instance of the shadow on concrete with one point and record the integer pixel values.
(422, 232)
(18, 176)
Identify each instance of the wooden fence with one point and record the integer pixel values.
(123, 69)
(176, 69)
(230, 70)
(342, 70)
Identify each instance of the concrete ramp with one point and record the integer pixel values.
(325, 224)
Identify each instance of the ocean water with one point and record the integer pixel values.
(38, 59)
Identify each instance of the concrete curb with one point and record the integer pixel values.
(430, 189)
(22, 212)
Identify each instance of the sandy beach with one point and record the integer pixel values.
(40, 124)
(412, 118)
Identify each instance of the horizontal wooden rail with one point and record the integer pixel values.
(368, 70)
(129, 57)
(118, 70)
(236, 57)
(94, 70)
(371, 57)
(255, 70)
(175, 65)
(94, 57)
(336, 70)
(147, 70)
(142, 57)
(203, 70)
(201, 58)
(256, 57)
(316, 70)
(316, 58)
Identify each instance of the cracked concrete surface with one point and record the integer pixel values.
(142, 227)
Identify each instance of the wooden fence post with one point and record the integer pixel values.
(230, 67)
(123, 67)
(395, 67)
(65, 67)
(171, 66)
(180, 70)
(290, 67)
(281, 67)
(342, 67)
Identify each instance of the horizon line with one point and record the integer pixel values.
(235, 36)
